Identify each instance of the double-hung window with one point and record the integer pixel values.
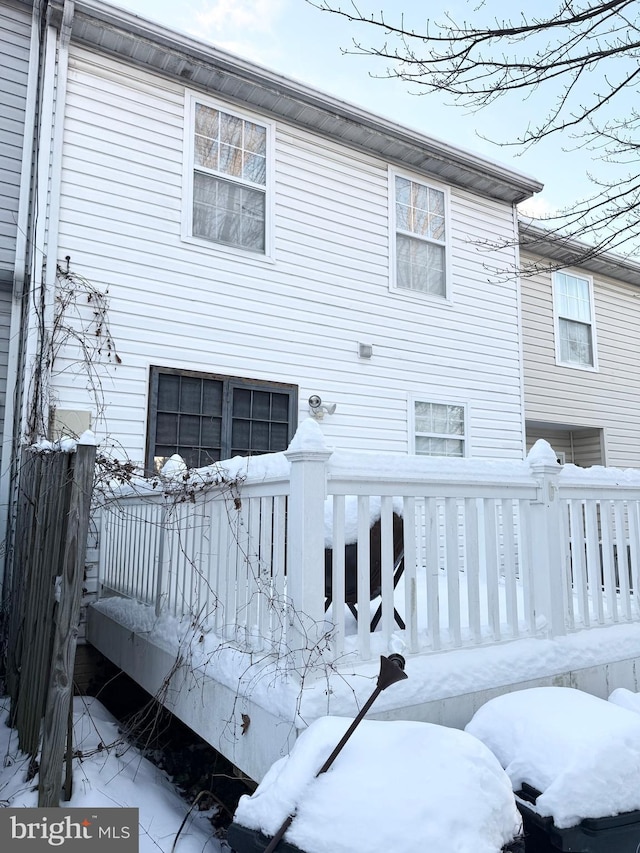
(439, 429)
(420, 237)
(205, 417)
(229, 178)
(575, 325)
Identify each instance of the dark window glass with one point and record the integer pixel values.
(205, 419)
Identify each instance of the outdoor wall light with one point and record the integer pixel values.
(318, 409)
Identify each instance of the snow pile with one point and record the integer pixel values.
(581, 752)
(64, 444)
(109, 773)
(395, 786)
(626, 699)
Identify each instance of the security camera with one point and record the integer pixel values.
(314, 401)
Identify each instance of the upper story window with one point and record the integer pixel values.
(229, 178)
(204, 417)
(420, 237)
(575, 324)
(439, 429)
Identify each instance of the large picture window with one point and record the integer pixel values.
(204, 417)
(575, 345)
(420, 222)
(229, 179)
(439, 429)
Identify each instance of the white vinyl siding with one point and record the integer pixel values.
(15, 30)
(574, 313)
(439, 429)
(295, 317)
(420, 236)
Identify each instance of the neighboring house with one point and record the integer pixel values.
(580, 318)
(263, 242)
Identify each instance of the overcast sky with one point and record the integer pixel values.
(295, 39)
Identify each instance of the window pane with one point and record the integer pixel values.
(228, 213)
(279, 437)
(420, 265)
(426, 446)
(210, 431)
(211, 397)
(166, 429)
(190, 455)
(209, 455)
(255, 168)
(261, 404)
(441, 420)
(231, 160)
(168, 392)
(403, 191)
(573, 297)
(206, 152)
(575, 343)
(280, 407)
(240, 433)
(260, 436)
(189, 430)
(191, 395)
(241, 403)
(255, 138)
(231, 130)
(207, 121)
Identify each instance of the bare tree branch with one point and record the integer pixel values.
(580, 61)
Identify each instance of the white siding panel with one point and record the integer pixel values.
(297, 318)
(605, 399)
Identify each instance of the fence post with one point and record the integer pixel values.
(547, 552)
(60, 692)
(305, 539)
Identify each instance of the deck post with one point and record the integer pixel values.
(305, 549)
(547, 553)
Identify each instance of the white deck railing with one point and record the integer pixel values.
(491, 552)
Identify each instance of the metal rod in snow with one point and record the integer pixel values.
(391, 670)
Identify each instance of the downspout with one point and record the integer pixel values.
(523, 415)
(39, 303)
(35, 410)
(12, 428)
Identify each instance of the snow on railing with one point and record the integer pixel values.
(372, 553)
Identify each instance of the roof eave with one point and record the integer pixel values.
(569, 252)
(149, 45)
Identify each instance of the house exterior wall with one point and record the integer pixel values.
(15, 33)
(296, 317)
(603, 399)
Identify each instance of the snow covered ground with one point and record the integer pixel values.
(111, 773)
(401, 786)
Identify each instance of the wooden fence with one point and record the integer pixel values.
(44, 603)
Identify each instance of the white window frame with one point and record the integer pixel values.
(557, 317)
(191, 100)
(442, 401)
(418, 295)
